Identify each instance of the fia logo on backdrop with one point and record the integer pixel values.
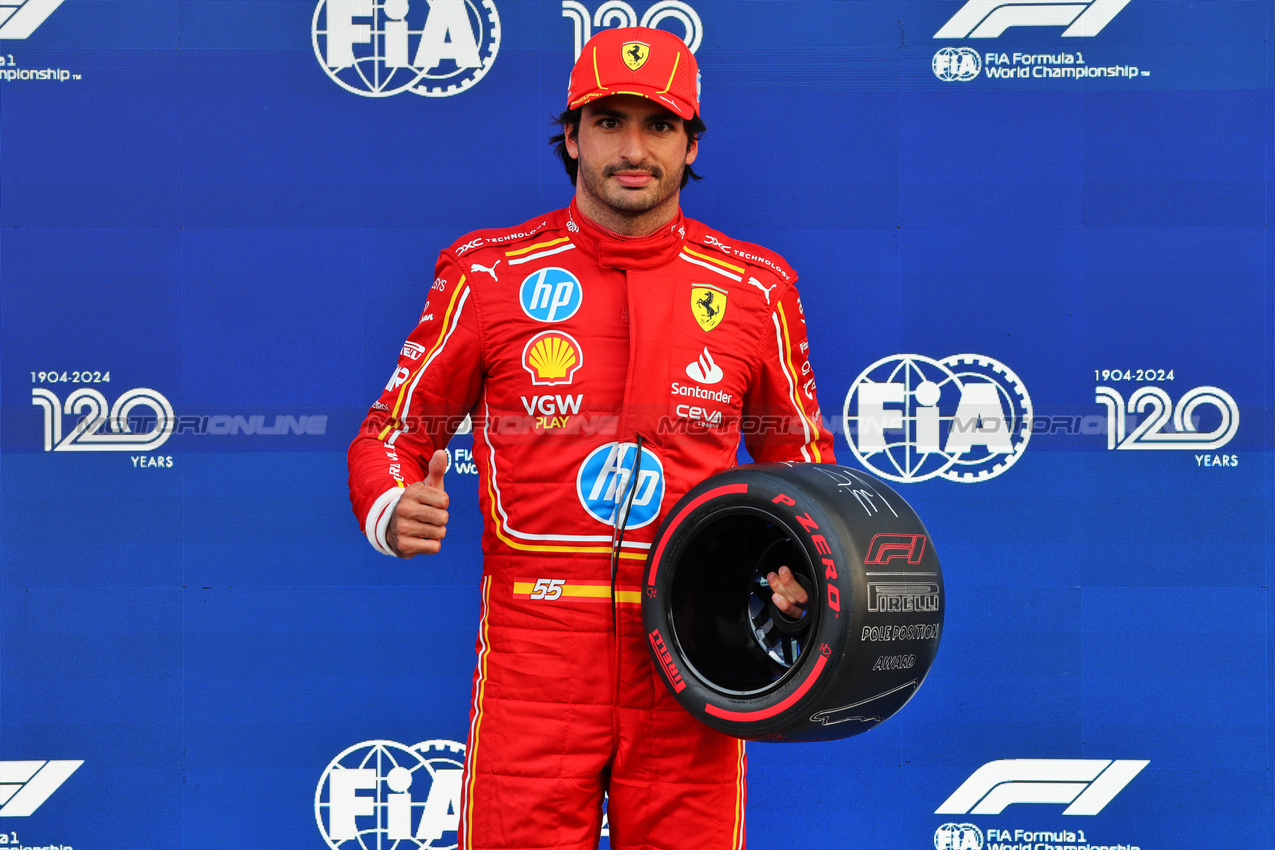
(433, 48)
(965, 418)
(387, 794)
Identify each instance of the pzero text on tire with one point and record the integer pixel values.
(871, 628)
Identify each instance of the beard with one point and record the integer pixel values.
(626, 201)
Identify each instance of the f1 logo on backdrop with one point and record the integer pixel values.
(19, 18)
(990, 18)
(1087, 785)
(24, 785)
(434, 48)
(965, 418)
(385, 794)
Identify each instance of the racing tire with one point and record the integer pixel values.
(871, 629)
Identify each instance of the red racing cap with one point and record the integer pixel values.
(650, 63)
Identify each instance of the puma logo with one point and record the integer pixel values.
(475, 268)
(765, 289)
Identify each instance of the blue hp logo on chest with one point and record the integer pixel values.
(550, 295)
(606, 480)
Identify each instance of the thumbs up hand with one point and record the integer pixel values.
(419, 523)
(437, 466)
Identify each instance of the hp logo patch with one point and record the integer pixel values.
(958, 836)
(605, 481)
(960, 64)
(965, 418)
(434, 48)
(385, 794)
(550, 295)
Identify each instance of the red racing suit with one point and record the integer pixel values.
(578, 351)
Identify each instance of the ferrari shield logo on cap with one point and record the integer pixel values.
(708, 305)
(635, 54)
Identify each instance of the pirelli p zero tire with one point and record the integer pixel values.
(869, 634)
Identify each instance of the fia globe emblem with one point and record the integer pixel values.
(956, 64)
(385, 794)
(965, 418)
(958, 836)
(378, 48)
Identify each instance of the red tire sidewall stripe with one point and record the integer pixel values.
(681, 515)
(762, 714)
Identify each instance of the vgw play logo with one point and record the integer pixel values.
(377, 48)
(385, 794)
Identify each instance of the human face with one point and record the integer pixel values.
(632, 153)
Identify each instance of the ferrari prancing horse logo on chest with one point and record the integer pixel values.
(635, 54)
(708, 305)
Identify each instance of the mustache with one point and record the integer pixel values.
(653, 170)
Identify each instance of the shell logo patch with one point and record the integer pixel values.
(708, 305)
(552, 357)
(635, 54)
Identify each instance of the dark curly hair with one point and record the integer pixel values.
(569, 121)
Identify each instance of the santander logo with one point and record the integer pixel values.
(704, 369)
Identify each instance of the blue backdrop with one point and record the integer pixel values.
(218, 221)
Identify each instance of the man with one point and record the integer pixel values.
(611, 355)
